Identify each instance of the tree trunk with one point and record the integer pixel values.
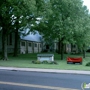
(62, 51)
(16, 44)
(84, 51)
(4, 46)
(62, 48)
(59, 45)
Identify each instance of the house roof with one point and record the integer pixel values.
(32, 37)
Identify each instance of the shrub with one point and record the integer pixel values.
(36, 62)
(53, 62)
(33, 61)
(88, 64)
(45, 62)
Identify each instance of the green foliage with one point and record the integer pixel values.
(88, 64)
(18, 15)
(11, 13)
(44, 62)
(36, 62)
(68, 23)
(69, 20)
(53, 62)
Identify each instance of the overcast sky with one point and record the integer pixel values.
(87, 3)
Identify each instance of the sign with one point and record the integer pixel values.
(85, 86)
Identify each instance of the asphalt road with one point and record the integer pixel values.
(19, 80)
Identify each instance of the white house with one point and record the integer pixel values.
(31, 43)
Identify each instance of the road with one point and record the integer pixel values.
(19, 80)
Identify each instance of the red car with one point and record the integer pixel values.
(74, 60)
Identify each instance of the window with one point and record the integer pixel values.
(29, 44)
(23, 43)
(35, 44)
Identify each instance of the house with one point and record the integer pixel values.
(31, 43)
(34, 43)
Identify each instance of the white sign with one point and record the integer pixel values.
(85, 86)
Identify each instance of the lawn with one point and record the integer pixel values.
(25, 61)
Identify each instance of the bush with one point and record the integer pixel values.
(36, 62)
(53, 62)
(44, 62)
(88, 64)
(49, 62)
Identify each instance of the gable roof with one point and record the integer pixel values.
(32, 37)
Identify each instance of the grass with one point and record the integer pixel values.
(25, 61)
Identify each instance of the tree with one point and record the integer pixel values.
(25, 17)
(5, 26)
(21, 14)
(11, 13)
(82, 35)
(63, 23)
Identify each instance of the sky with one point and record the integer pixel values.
(87, 3)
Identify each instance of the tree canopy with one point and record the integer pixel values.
(67, 21)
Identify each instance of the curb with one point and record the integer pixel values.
(46, 70)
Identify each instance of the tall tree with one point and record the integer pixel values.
(5, 24)
(23, 20)
(11, 14)
(63, 23)
(82, 35)
(20, 15)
